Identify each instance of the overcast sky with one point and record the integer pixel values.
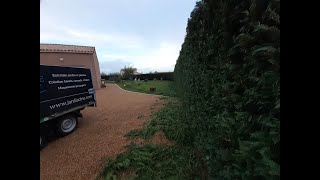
(144, 33)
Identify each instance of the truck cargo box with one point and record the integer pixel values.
(64, 89)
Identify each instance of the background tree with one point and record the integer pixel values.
(128, 72)
(114, 74)
(103, 74)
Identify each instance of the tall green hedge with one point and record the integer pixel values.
(228, 80)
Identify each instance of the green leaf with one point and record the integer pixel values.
(266, 48)
(109, 175)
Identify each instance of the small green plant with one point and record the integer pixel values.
(154, 162)
(145, 133)
(140, 116)
(166, 120)
(163, 98)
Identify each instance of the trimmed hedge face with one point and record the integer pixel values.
(228, 80)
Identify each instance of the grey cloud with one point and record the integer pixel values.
(112, 66)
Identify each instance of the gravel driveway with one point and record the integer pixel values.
(100, 134)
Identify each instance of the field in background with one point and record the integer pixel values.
(162, 87)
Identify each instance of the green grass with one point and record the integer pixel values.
(152, 161)
(162, 87)
(166, 120)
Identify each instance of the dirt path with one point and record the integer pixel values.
(100, 134)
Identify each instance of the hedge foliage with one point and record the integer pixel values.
(228, 81)
(168, 76)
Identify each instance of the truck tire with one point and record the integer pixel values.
(66, 125)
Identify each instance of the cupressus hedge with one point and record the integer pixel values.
(228, 80)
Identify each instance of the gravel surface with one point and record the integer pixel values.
(100, 135)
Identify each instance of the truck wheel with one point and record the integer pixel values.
(67, 125)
